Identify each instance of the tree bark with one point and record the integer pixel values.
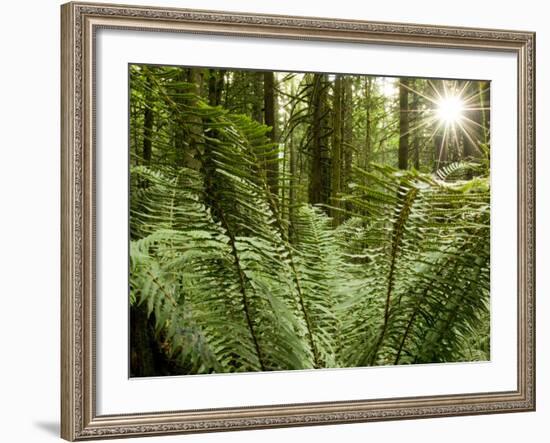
(403, 154)
(270, 115)
(336, 147)
(315, 173)
(368, 123)
(484, 104)
(190, 155)
(148, 120)
(317, 184)
(347, 136)
(440, 151)
(474, 121)
(292, 200)
(416, 136)
(215, 86)
(258, 99)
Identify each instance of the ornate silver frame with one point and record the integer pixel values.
(80, 21)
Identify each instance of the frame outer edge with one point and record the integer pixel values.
(527, 221)
(78, 420)
(534, 215)
(532, 268)
(68, 401)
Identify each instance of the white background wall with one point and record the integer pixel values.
(29, 218)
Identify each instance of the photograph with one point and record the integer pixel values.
(306, 220)
(282, 217)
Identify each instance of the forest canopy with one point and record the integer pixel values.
(284, 220)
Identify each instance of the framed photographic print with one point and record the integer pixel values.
(283, 221)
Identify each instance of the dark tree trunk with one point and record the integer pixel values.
(220, 86)
(293, 179)
(212, 86)
(315, 173)
(270, 115)
(215, 86)
(403, 155)
(437, 88)
(484, 104)
(142, 344)
(190, 153)
(148, 120)
(336, 165)
(147, 359)
(347, 126)
(368, 123)
(292, 200)
(258, 98)
(440, 151)
(416, 125)
(473, 135)
(317, 182)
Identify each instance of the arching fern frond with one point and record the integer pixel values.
(404, 279)
(238, 203)
(425, 245)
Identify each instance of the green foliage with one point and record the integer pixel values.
(404, 279)
(424, 247)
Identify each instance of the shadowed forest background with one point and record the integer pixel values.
(286, 221)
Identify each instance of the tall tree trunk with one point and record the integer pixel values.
(215, 86)
(292, 200)
(484, 104)
(416, 152)
(315, 177)
(474, 122)
(368, 123)
(212, 86)
(179, 133)
(347, 136)
(220, 86)
(403, 155)
(293, 178)
(148, 119)
(191, 155)
(336, 148)
(186, 138)
(258, 98)
(440, 151)
(416, 136)
(270, 114)
(142, 344)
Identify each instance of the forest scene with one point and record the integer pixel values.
(290, 220)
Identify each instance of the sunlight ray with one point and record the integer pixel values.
(434, 89)
(435, 131)
(472, 122)
(426, 122)
(418, 93)
(455, 137)
(469, 137)
(477, 109)
(476, 94)
(463, 90)
(442, 145)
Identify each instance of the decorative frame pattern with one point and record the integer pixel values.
(79, 24)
